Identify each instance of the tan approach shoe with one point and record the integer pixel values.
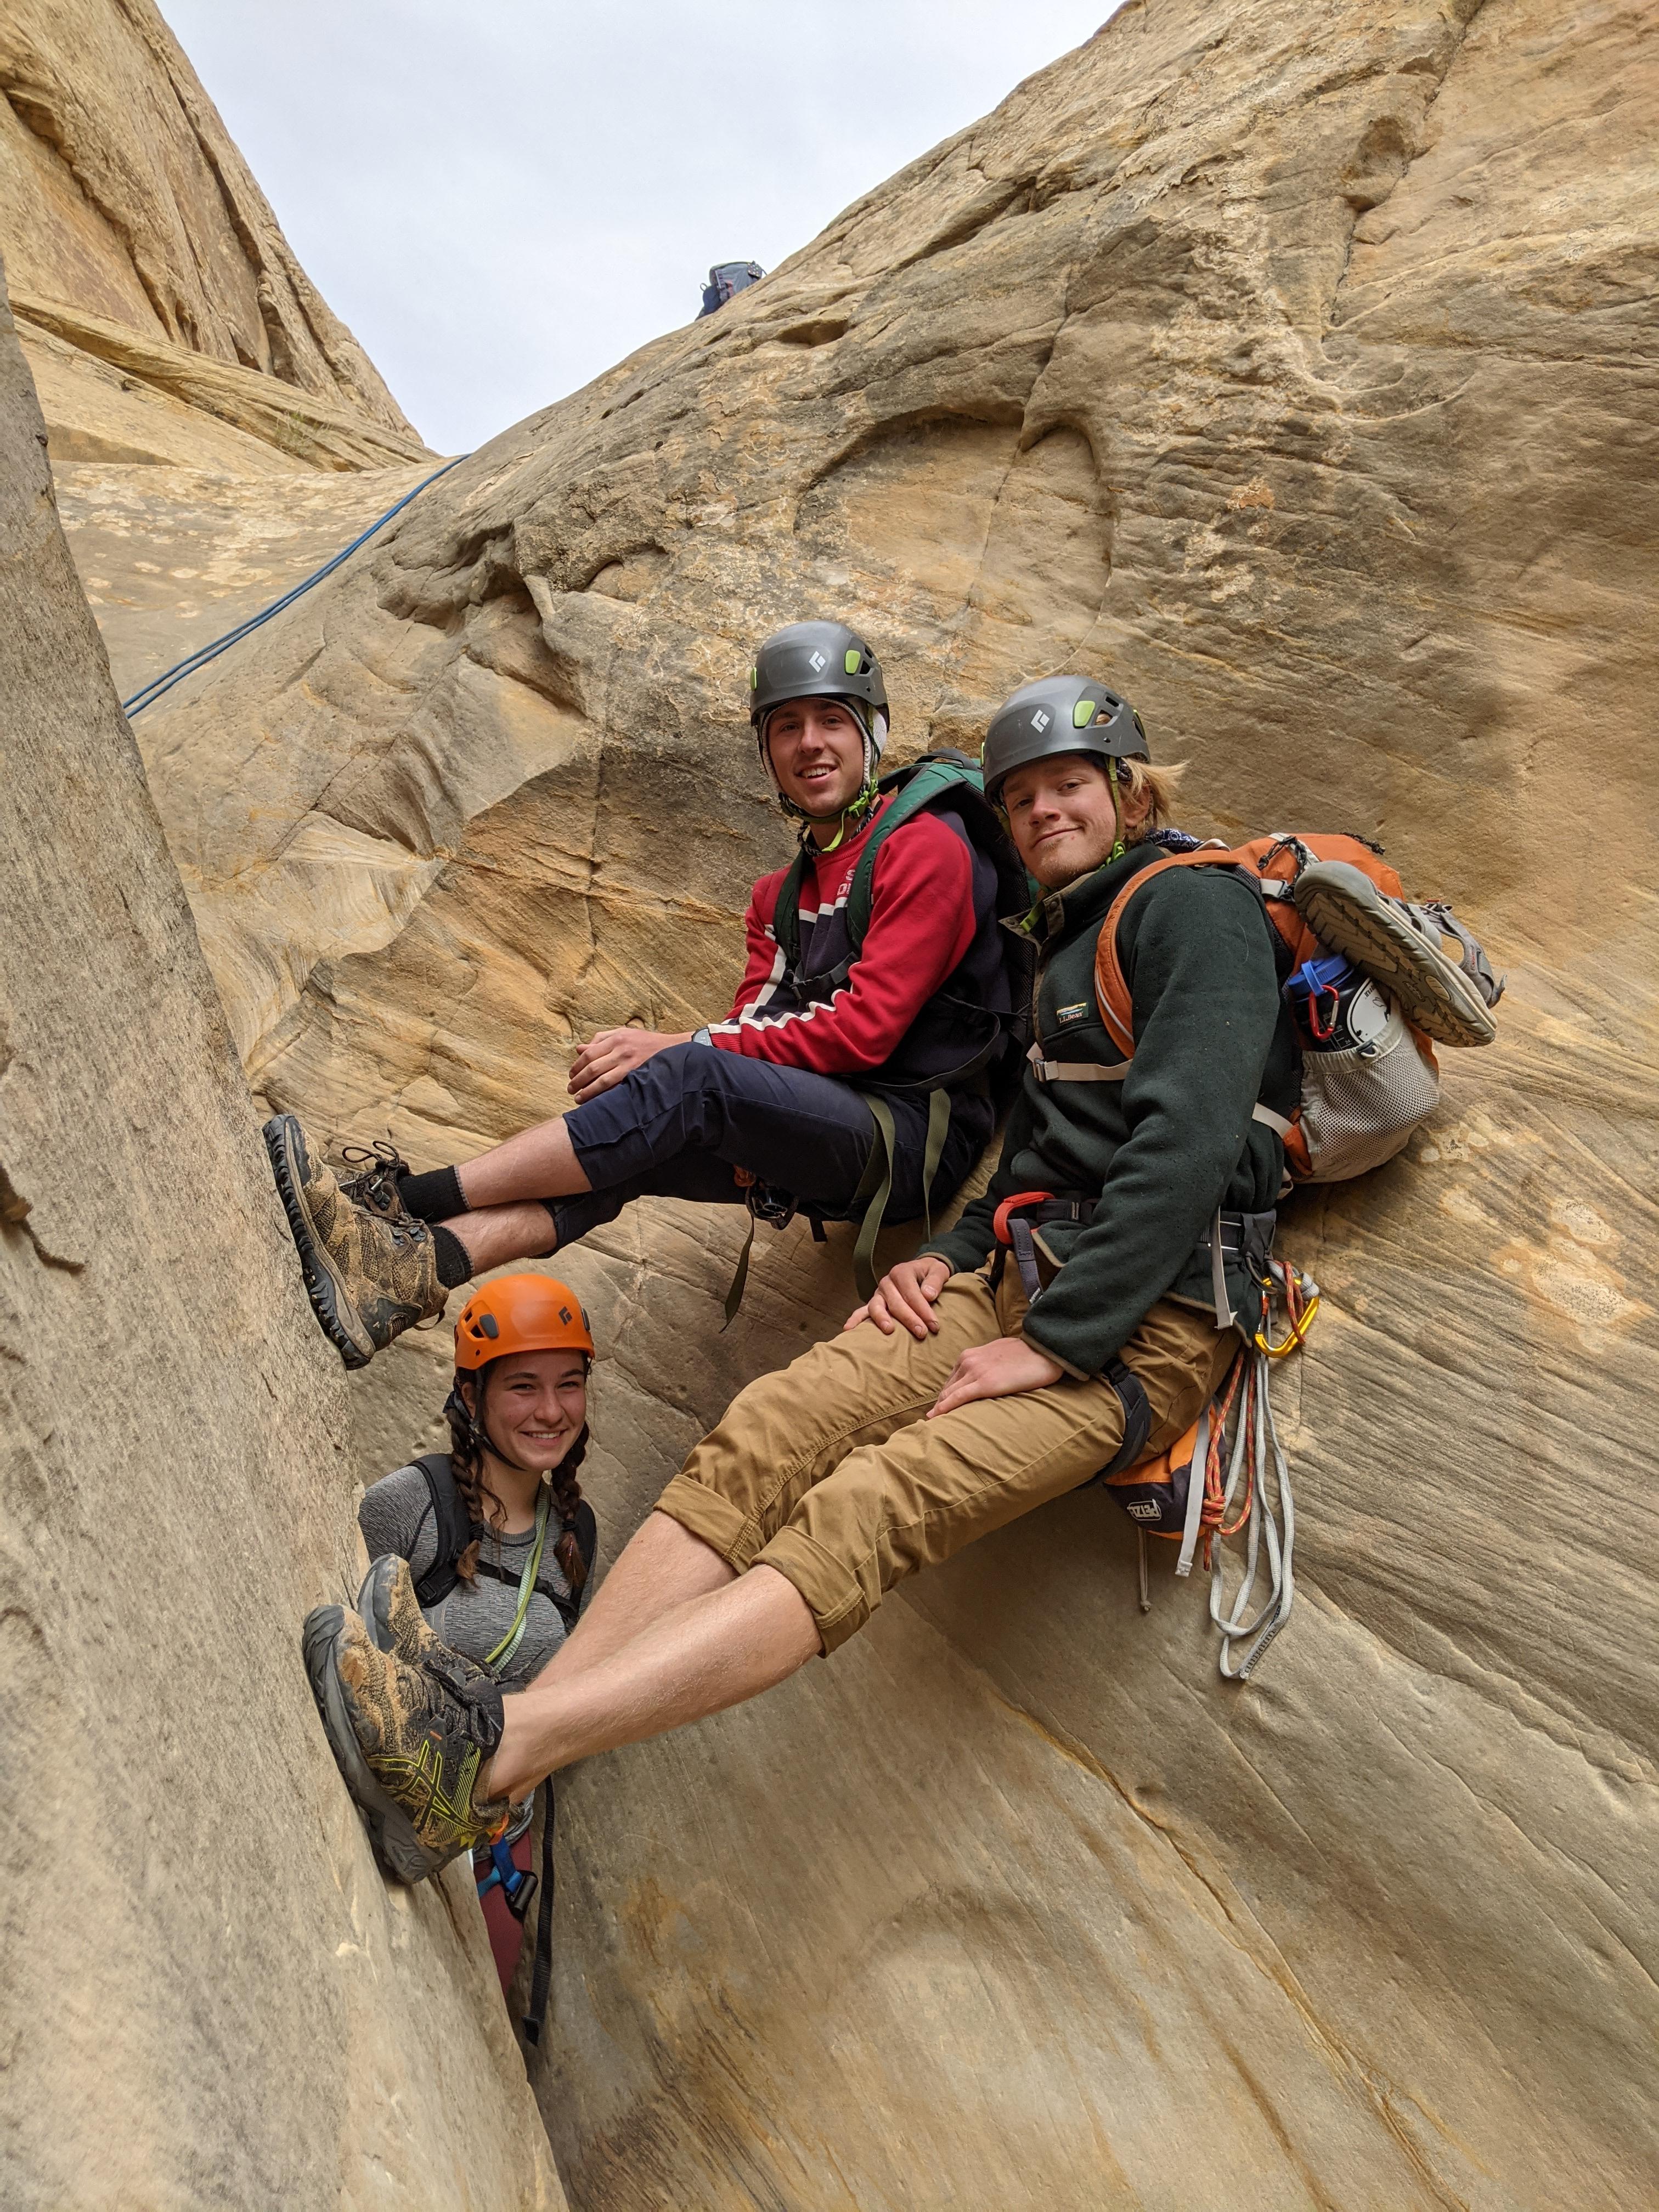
(409, 1742)
(369, 1275)
(1347, 911)
(389, 1610)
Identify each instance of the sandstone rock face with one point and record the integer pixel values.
(1296, 367)
(210, 1998)
(171, 558)
(134, 234)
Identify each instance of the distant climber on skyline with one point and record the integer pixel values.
(855, 1076)
(726, 280)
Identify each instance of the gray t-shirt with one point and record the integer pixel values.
(397, 1515)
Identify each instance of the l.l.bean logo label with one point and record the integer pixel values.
(1076, 1013)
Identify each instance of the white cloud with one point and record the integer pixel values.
(504, 198)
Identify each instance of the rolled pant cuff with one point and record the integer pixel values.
(720, 1524)
(837, 1603)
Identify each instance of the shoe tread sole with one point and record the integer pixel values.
(322, 1286)
(1430, 993)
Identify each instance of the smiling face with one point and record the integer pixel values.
(816, 747)
(1062, 816)
(535, 1406)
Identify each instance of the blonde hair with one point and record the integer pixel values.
(1162, 785)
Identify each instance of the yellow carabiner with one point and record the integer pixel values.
(1297, 1335)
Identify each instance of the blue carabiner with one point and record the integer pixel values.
(503, 1871)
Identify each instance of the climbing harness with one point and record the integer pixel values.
(1227, 1476)
(148, 694)
(778, 1208)
(519, 1889)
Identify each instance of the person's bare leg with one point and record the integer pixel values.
(539, 1163)
(699, 1658)
(662, 1565)
(501, 1233)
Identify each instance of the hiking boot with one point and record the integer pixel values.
(409, 1741)
(1382, 936)
(389, 1610)
(376, 1171)
(369, 1276)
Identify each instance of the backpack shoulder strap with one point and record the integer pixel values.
(587, 1534)
(786, 914)
(1111, 985)
(914, 790)
(450, 1526)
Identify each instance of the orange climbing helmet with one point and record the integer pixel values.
(521, 1313)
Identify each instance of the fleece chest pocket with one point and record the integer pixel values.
(1073, 1025)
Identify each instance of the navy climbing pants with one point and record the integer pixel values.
(685, 1118)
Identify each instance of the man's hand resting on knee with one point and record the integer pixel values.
(1002, 1369)
(905, 1296)
(610, 1054)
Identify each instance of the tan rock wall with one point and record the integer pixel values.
(1297, 366)
(132, 229)
(209, 1997)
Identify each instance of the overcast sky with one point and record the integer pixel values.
(502, 197)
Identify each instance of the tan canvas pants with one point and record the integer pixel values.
(828, 1470)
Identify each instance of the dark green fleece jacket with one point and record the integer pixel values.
(1162, 1151)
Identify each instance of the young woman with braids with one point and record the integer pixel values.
(498, 1538)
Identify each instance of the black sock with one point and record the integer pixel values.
(454, 1266)
(432, 1197)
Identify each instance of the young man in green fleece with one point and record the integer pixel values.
(955, 1401)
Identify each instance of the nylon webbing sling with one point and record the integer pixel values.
(876, 1185)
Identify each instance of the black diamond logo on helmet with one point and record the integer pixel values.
(817, 662)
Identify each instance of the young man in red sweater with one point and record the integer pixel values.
(771, 1107)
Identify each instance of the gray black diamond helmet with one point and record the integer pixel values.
(1060, 715)
(815, 660)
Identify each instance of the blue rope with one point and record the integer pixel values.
(148, 694)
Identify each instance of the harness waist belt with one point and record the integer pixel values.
(1245, 1237)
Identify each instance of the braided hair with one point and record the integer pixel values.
(484, 1510)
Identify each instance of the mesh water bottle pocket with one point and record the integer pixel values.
(1359, 1108)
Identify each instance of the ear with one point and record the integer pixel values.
(1136, 806)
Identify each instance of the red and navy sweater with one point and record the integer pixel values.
(932, 924)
